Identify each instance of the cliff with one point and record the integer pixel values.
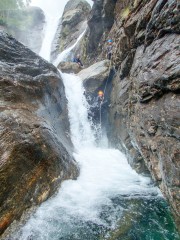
(100, 22)
(144, 114)
(34, 145)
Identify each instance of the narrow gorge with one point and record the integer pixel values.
(74, 165)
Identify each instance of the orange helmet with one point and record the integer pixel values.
(100, 93)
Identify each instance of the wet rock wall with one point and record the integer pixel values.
(35, 148)
(144, 111)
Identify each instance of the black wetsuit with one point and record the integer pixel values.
(77, 60)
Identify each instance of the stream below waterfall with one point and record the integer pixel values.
(109, 200)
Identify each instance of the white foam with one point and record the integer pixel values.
(104, 174)
(81, 132)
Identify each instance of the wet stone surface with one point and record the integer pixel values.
(35, 151)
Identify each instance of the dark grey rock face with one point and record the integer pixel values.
(98, 77)
(100, 22)
(95, 76)
(144, 111)
(35, 151)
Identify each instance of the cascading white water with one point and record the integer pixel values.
(53, 10)
(81, 133)
(62, 56)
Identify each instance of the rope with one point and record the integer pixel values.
(100, 119)
(107, 81)
(101, 102)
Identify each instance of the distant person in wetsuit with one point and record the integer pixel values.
(78, 61)
(109, 49)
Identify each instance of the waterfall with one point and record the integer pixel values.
(108, 194)
(53, 10)
(105, 179)
(104, 175)
(81, 133)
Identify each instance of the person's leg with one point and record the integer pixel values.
(109, 56)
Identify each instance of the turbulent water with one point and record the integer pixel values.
(109, 200)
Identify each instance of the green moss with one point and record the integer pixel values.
(19, 21)
(9, 10)
(125, 12)
(135, 3)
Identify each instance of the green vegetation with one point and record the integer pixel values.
(125, 12)
(10, 10)
(13, 4)
(16, 18)
(135, 3)
(10, 4)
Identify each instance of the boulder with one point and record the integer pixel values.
(69, 67)
(95, 78)
(35, 150)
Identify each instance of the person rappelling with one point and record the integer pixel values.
(100, 96)
(109, 49)
(78, 60)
